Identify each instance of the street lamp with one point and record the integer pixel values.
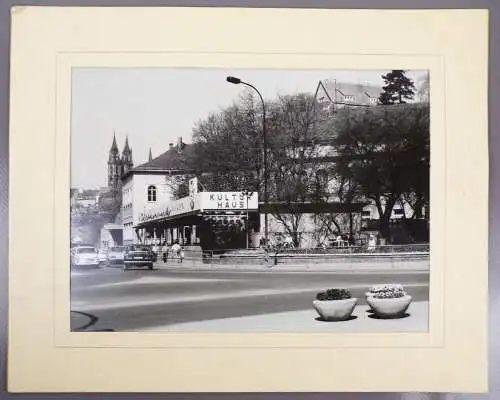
(237, 81)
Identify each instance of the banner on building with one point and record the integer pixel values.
(218, 201)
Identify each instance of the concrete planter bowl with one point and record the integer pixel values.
(369, 294)
(335, 310)
(394, 307)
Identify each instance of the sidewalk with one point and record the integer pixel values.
(366, 266)
(308, 321)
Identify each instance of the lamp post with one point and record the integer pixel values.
(237, 81)
(247, 193)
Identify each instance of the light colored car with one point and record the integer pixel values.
(103, 256)
(115, 255)
(84, 256)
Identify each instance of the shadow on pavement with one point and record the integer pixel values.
(405, 315)
(336, 320)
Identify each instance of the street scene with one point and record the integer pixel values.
(224, 298)
(250, 200)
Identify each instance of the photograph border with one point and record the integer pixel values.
(441, 345)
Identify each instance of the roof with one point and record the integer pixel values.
(171, 160)
(337, 91)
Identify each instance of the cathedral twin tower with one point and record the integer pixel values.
(118, 165)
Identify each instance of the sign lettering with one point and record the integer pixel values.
(228, 201)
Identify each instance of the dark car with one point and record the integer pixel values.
(138, 255)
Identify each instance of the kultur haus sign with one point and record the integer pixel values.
(222, 201)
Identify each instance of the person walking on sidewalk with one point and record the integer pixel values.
(265, 247)
(165, 252)
(177, 251)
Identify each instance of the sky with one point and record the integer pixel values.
(155, 106)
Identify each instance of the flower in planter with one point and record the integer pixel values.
(334, 294)
(335, 304)
(388, 301)
(387, 291)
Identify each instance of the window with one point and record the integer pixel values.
(151, 193)
(366, 213)
(398, 211)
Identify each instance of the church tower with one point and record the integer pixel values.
(114, 166)
(127, 162)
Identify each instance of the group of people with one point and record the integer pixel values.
(175, 251)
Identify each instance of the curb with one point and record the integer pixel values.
(287, 268)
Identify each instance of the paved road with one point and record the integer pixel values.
(109, 298)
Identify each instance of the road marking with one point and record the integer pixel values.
(146, 280)
(89, 306)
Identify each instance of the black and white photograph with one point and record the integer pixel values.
(250, 200)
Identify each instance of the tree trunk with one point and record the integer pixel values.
(385, 218)
(351, 223)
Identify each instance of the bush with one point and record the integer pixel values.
(334, 294)
(388, 291)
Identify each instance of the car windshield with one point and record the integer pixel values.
(86, 250)
(138, 248)
(116, 249)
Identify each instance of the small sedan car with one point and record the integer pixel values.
(138, 256)
(102, 254)
(115, 255)
(84, 256)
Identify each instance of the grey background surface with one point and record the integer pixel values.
(494, 139)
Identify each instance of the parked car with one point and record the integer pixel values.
(139, 256)
(116, 255)
(102, 254)
(84, 256)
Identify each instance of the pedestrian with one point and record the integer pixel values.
(266, 255)
(165, 252)
(181, 255)
(372, 242)
(177, 251)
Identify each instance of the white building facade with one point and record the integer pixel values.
(141, 191)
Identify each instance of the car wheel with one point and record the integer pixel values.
(150, 266)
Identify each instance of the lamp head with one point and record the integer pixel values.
(232, 79)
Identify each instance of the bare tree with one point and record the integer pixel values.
(294, 160)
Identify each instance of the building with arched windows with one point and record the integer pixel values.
(147, 185)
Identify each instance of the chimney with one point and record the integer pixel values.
(170, 146)
(179, 144)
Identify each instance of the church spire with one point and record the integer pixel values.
(150, 155)
(127, 162)
(114, 147)
(126, 148)
(114, 165)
